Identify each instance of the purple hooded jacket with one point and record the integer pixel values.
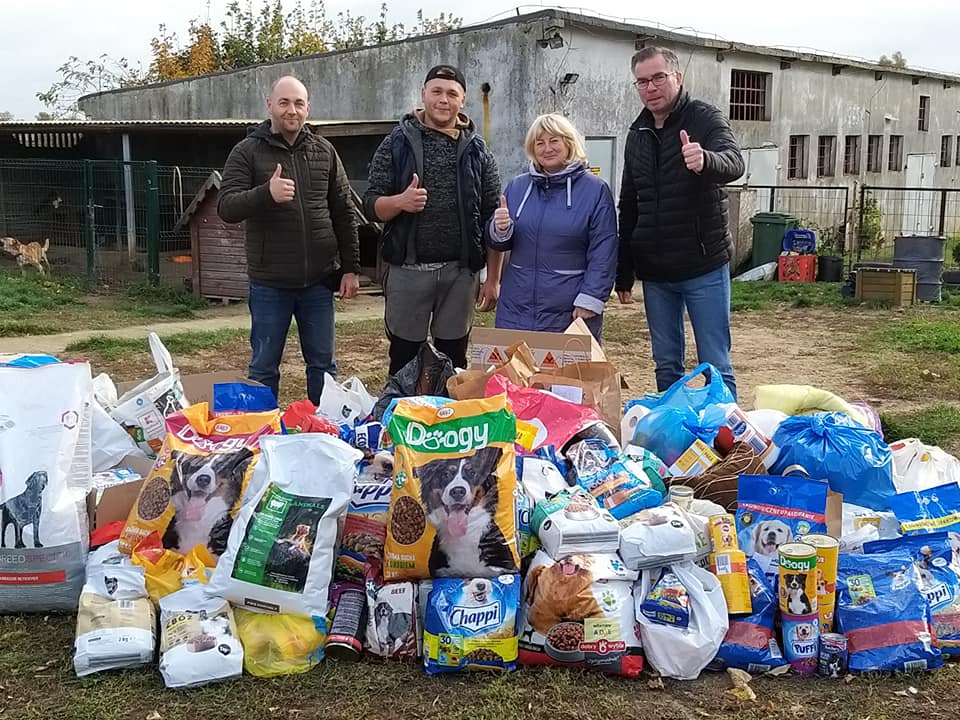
(563, 245)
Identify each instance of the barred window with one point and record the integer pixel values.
(749, 95)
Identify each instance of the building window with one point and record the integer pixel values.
(946, 150)
(875, 153)
(895, 155)
(827, 156)
(797, 164)
(749, 95)
(924, 122)
(851, 155)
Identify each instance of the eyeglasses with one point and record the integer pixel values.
(658, 80)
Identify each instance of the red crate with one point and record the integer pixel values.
(797, 268)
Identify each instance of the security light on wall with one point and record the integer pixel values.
(554, 41)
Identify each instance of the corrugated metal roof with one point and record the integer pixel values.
(370, 126)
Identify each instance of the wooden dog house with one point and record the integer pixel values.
(218, 248)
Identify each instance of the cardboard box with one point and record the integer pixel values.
(551, 351)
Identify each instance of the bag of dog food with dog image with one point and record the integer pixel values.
(282, 547)
(579, 612)
(931, 510)
(773, 510)
(194, 489)
(391, 616)
(933, 556)
(45, 473)
(452, 508)
(199, 643)
(365, 528)
(751, 642)
(116, 621)
(471, 625)
(884, 615)
(141, 411)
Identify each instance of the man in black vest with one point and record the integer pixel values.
(435, 186)
(287, 183)
(679, 154)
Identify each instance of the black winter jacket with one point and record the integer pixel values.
(305, 242)
(673, 222)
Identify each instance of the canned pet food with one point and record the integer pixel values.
(833, 655)
(828, 551)
(798, 579)
(681, 496)
(801, 643)
(349, 603)
(730, 567)
(723, 533)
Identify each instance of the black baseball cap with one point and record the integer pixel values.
(446, 72)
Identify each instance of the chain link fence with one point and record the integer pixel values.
(113, 222)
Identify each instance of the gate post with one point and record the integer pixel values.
(89, 221)
(153, 224)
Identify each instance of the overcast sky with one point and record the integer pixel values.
(36, 36)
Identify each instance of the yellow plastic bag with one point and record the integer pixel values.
(167, 570)
(279, 644)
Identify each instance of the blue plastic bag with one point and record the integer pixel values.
(680, 395)
(887, 620)
(939, 581)
(667, 432)
(620, 484)
(240, 397)
(833, 446)
(751, 642)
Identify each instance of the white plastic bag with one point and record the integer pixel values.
(683, 653)
(282, 544)
(141, 410)
(918, 467)
(659, 536)
(111, 443)
(344, 403)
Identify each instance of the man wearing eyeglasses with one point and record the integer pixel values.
(674, 237)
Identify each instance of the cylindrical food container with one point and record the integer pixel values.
(801, 642)
(723, 533)
(833, 655)
(681, 496)
(730, 567)
(798, 579)
(345, 640)
(828, 551)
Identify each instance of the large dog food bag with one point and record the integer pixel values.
(471, 624)
(116, 621)
(579, 612)
(45, 473)
(452, 507)
(280, 555)
(194, 490)
(199, 643)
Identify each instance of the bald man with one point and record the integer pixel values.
(288, 185)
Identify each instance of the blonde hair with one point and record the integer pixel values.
(558, 125)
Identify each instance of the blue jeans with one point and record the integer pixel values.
(271, 310)
(707, 301)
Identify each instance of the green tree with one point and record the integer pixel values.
(81, 77)
(897, 60)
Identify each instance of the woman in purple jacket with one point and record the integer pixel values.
(559, 222)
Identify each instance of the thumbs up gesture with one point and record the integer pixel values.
(414, 198)
(501, 216)
(282, 189)
(692, 153)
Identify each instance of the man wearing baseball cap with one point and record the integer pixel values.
(435, 186)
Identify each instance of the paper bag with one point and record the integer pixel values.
(594, 384)
(518, 369)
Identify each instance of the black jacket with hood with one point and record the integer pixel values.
(399, 156)
(673, 222)
(305, 242)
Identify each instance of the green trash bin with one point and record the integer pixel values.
(768, 230)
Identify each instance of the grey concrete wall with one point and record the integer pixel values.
(383, 82)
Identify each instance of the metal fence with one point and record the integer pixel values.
(111, 221)
(886, 213)
(824, 209)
